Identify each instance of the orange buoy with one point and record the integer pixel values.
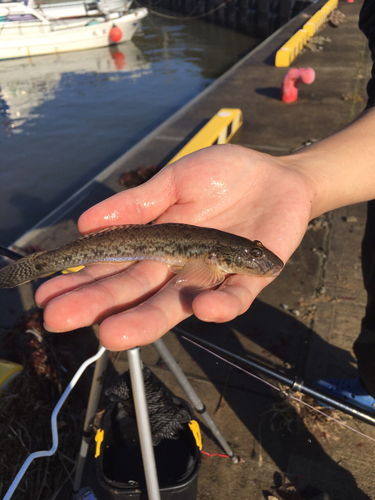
(115, 34)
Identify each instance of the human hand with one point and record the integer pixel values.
(225, 187)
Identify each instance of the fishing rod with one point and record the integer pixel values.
(6, 252)
(295, 384)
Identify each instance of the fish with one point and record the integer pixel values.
(200, 256)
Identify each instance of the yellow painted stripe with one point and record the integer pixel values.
(290, 50)
(316, 21)
(219, 130)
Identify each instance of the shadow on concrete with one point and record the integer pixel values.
(272, 92)
(269, 60)
(280, 342)
(188, 137)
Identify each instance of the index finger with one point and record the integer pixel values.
(139, 205)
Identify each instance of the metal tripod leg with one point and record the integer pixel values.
(92, 406)
(143, 422)
(172, 364)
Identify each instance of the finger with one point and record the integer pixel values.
(146, 323)
(232, 298)
(90, 304)
(68, 282)
(133, 206)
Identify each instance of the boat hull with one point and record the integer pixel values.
(66, 36)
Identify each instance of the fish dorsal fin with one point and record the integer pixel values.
(199, 273)
(109, 230)
(114, 228)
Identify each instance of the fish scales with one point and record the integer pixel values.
(174, 244)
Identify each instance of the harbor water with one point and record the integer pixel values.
(65, 118)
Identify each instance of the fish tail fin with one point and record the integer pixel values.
(26, 269)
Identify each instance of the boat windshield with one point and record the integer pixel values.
(21, 17)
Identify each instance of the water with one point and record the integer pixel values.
(66, 118)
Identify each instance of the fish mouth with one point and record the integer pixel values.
(272, 273)
(270, 269)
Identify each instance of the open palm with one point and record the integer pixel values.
(225, 187)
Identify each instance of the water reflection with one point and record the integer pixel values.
(66, 118)
(25, 84)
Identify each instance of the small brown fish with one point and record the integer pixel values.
(201, 256)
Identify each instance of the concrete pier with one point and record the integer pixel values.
(305, 323)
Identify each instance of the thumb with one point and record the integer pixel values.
(139, 205)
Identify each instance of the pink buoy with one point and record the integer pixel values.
(115, 34)
(289, 90)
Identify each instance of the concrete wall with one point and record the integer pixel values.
(254, 17)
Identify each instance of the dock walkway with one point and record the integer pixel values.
(305, 323)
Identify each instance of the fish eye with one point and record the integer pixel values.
(256, 252)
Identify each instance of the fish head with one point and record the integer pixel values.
(255, 259)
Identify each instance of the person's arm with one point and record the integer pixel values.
(367, 25)
(226, 187)
(340, 168)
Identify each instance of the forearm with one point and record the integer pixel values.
(340, 168)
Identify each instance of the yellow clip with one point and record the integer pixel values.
(195, 429)
(8, 370)
(72, 269)
(98, 439)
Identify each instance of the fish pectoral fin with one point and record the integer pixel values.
(175, 269)
(69, 270)
(199, 274)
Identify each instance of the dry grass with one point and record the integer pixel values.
(25, 409)
(290, 412)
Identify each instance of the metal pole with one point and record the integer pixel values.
(143, 422)
(295, 384)
(192, 395)
(92, 406)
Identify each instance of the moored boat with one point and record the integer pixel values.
(25, 31)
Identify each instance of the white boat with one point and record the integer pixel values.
(25, 31)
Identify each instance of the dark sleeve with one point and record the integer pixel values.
(367, 25)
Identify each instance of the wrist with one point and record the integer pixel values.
(313, 168)
(339, 170)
